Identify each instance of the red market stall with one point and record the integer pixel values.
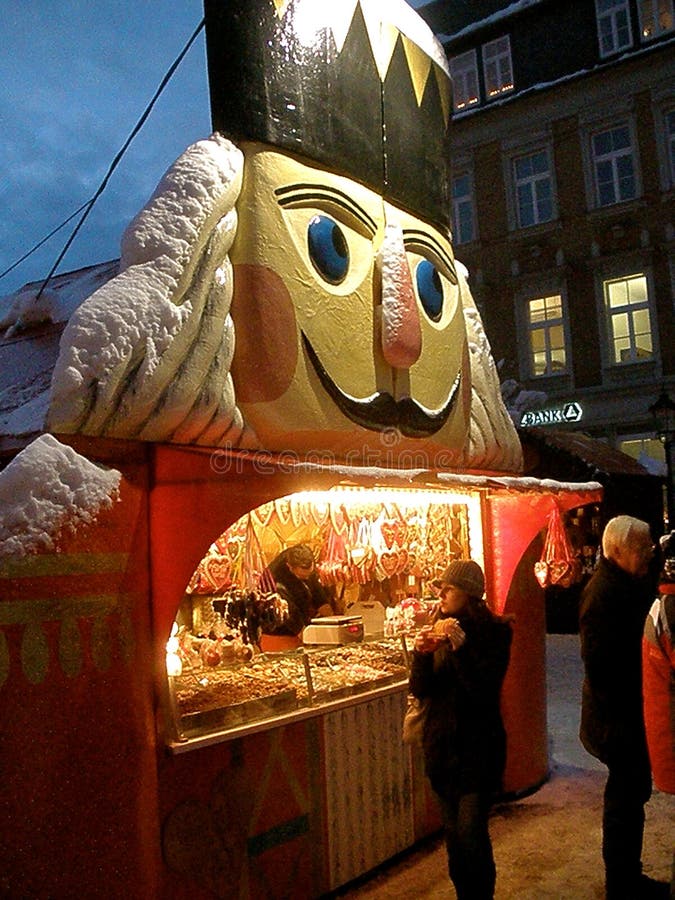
(231, 809)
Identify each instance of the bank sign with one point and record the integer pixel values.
(553, 415)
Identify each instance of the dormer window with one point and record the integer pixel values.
(614, 31)
(464, 71)
(497, 68)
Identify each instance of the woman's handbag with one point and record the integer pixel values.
(414, 719)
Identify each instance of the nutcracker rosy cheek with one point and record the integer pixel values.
(266, 347)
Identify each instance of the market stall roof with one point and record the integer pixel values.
(628, 487)
(569, 448)
(30, 330)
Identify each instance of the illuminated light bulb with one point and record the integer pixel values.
(174, 666)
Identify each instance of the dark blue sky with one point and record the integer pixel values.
(76, 76)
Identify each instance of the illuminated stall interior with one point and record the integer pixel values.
(376, 550)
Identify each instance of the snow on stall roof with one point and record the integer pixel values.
(29, 345)
(49, 488)
(60, 297)
(598, 456)
(415, 477)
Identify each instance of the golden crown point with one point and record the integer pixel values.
(312, 17)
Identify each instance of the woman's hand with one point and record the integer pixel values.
(454, 633)
(426, 640)
(444, 631)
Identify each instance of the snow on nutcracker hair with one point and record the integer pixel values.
(360, 87)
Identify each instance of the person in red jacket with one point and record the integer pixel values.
(658, 674)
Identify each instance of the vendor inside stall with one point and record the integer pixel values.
(297, 582)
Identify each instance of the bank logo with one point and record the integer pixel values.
(554, 415)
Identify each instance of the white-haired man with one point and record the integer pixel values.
(614, 605)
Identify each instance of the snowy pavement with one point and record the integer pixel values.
(547, 845)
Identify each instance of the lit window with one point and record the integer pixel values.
(613, 25)
(464, 71)
(497, 67)
(533, 188)
(644, 449)
(547, 336)
(656, 18)
(629, 319)
(462, 209)
(613, 166)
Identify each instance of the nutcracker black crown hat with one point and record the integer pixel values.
(360, 87)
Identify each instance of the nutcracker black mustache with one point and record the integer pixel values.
(381, 411)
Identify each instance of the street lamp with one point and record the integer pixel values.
(663, 411)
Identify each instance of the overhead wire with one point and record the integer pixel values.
(87, 207)
(43, 241)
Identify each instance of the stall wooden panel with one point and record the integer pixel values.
(295, 810)
(369, 797)
(243, 818)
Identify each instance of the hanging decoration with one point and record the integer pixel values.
(355, 543)
(558, 564)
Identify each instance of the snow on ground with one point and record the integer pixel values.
(46, 488)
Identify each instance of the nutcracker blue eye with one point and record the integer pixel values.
(328, 249)
(429, 289)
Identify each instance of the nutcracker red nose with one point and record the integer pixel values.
(401, 331)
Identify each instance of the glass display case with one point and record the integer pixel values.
(207, 698)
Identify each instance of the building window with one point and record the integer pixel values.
(546, 328)
(670, 143)
(462, 209)
(497, 69)
(647, 450)
(629, 319)
(464, 71)
(533, 189)
(613, 26)
(656, 18)
(613, 166)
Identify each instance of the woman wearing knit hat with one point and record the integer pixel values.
(458, 665)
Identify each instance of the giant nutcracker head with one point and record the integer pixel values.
(346, 303)
(297, 266)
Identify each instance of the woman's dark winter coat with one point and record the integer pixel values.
(464, 739)
(614, 606)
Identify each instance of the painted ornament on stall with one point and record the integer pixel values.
(300, 260)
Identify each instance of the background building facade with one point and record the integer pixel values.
(563, 154)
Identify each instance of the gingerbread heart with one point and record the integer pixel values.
(389, 563)
(217, 570)
(389, 530)
(403, 560)
(234, 546)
